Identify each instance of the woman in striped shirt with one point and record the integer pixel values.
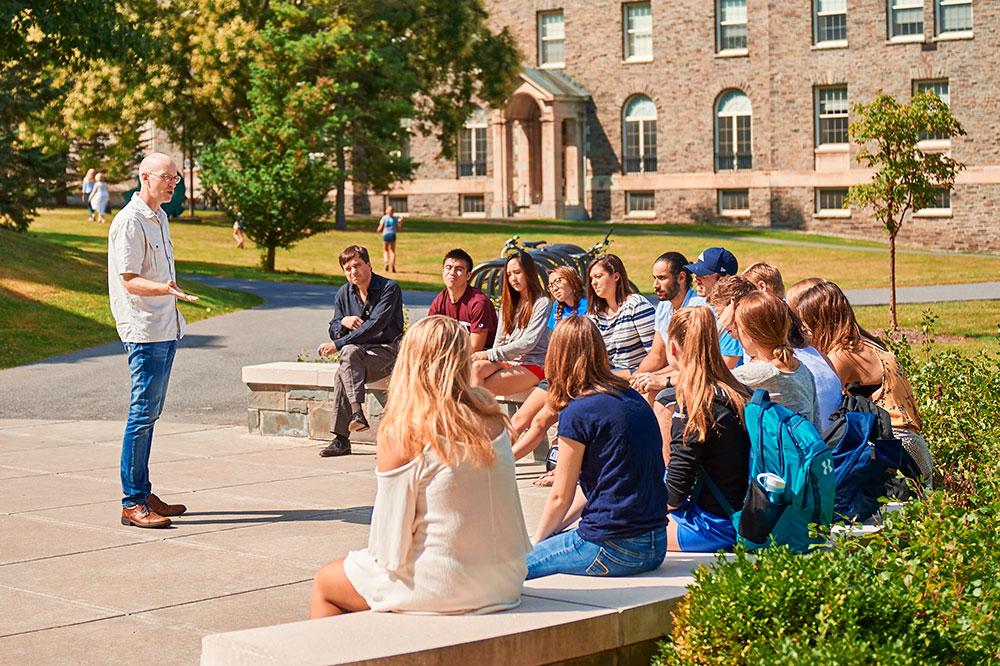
(624, 318)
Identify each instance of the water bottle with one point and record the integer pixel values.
(773, 484)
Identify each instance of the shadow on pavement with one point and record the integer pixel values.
(356, 515)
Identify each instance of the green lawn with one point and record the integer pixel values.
(966, 325)
(63, 238)
(54, 299)
(205, 246)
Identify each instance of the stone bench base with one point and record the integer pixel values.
(561, 618)
(292, 399)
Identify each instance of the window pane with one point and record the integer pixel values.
(907, 21)
(640, 108)
(649, 146)
(639, 201)
(733, 37)
(733, 11)
(640, 45)
(639, 17)
(831, 28)
(632, 162)
(725, 157)
(832, 114)
(744, 156)
(831, 6)
(553, 52)
(955, 18)
(734, 200)
(480, 166)
(939, 88)
(552, 26)
(473, 203)
(830, 199)
(943, 199)
(399, 204)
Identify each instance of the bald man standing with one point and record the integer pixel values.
(143, 288)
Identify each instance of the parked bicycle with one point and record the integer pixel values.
(489, 275)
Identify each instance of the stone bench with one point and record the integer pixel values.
(561, 618)
(292, 399)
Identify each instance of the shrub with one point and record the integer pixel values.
(925, 589)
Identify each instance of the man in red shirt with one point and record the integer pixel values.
(467, 304)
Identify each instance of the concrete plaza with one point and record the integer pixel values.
(76, 587)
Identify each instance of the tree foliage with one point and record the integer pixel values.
(906, 178)
(44, 38)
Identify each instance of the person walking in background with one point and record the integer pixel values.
(99, 197)
(447, 531)
(389, 226)
(238, 234)
(142, 285)
(88, 188)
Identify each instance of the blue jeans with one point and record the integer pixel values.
(567, 552)
(149, 363)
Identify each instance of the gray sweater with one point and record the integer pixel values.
(795, 390)
(527, 345)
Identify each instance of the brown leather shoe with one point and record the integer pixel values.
(140, 516)
(156, 505)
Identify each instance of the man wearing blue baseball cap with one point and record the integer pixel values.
(712, 264)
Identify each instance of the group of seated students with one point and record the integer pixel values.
(647, 400)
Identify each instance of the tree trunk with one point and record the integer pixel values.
(269, 259)
(893, 323)
(341, 216)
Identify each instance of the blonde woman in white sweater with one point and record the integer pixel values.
(447, 532)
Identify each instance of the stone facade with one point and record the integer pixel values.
(779, 72)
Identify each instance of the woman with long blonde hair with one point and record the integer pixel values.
(610, 445)
(447, 532)
(860, 358)
(707, 436)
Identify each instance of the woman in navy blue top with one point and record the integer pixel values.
(609, 442)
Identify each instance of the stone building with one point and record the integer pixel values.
(719, 110)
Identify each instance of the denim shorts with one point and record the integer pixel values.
(569, 553)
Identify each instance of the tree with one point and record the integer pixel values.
(271, 172)
(905, 178)
(43, 35)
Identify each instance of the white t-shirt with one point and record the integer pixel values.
(829, 392)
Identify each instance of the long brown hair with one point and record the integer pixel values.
(793, 293)
(517, 314)
(574, 285)
(577, 361)
(431, 400)
(766, 319)
(611, 263)
(826, 311)
(703, 370)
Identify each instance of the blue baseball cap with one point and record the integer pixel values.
(714, 260)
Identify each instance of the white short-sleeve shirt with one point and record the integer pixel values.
(139, 242)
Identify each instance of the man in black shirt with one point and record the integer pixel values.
(366, 326)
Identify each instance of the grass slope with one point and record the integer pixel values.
(54, 299)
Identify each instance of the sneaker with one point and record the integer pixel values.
(340, 446)
(358, 422)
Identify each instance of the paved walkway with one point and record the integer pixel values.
(264, 514)
(205, 385)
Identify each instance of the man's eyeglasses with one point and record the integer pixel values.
(169, 180)
(556, 282)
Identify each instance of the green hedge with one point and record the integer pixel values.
(926, 589)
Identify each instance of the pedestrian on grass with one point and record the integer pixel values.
(99, 197)
(142, 284)
(389, 226)
(87, 188)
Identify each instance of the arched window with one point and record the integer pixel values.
(472, 145)
(639, 132)
(733, 148)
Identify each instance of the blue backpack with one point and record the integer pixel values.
(784, 443)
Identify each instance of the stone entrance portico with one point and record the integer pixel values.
(538, 141)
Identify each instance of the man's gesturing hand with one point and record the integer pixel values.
(179, 293)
